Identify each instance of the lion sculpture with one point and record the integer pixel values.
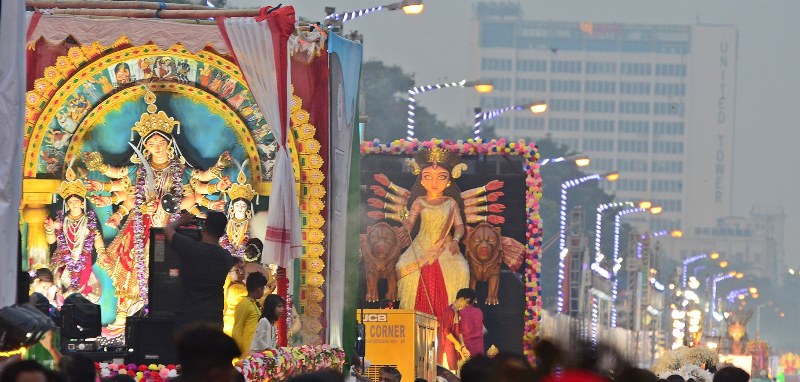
(380, 249)
(486, 248)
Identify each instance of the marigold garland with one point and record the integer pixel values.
(282, 363)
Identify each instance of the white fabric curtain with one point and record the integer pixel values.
(12, 110)
(253, 45)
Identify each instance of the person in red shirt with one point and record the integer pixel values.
(471, 323)
(451, 347)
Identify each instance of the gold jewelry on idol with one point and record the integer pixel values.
(437, 156)
(71, 186)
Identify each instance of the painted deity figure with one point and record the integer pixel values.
(149, 193)
(237, 232)
(432, 269)
(75, 234)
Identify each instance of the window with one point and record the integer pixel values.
(601, 165)
(494, 102)
(566, 67)
(636, 69)
(634, 127)
(670, 89)
(499, 64)
(668, 108)
(601, 68)
(668, 147)
(661, 185)
(594, 144)
(531, 84)
(676, 70)
(565, 105)
(530, 123)
(637, 88)
(501, 84)
(565, 86)
(632, 165)
(565, 124)
(571, 143)
(531, 65)
(669, 205)
(668, 128)
(632, 107)
(606, 87)
(667, 166)
(597, 106)
(632, 146)
(497, 35)
(626, 184)
(598, 125)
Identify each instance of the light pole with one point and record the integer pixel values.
(617, 260)
(562, 232)
(579, 160)
(480, 86)
(481, 116)
(409, 7)
(685, 267)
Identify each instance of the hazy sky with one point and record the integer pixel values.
(433, 46)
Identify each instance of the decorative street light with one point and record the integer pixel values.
(579, 160)
(618, 260)
(409, 7)
(535, 107)
(562, 233)
(480, 86)
(685, 266)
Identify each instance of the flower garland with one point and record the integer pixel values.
(283, 363)
(140, 201)
(533, 193)
(235, 251)
(75, 266)
(140, 373)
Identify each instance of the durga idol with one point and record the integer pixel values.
(149, 193)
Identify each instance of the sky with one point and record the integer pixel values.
(434, 47)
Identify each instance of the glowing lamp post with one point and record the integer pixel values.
(409, 7)
(481, 116)
(579, 160)
(618, 260)
(562, 233)
(480, 86)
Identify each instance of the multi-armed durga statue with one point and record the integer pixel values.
(150, 192)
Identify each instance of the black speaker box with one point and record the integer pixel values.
(80, 318)
(165, 284)
(149, 340)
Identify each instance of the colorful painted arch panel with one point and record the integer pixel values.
(89, 75)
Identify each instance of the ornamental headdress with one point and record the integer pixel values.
(437, 156)
(154, 121)
(241, 189)
(71, 186)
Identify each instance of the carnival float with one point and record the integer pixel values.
(132, 117)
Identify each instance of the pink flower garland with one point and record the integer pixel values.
(533, 193)
(75, 266)
(282, 363)
(140, 373)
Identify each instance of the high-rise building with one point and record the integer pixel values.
(654, 102)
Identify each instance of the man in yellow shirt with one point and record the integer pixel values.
(247, 312)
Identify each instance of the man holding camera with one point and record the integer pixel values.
(204, 266)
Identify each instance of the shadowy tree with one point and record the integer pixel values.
(385, 90)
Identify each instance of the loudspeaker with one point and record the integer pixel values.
(149, 340)
(80, 318)
(165, 284)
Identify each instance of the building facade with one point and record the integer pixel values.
(654, 102)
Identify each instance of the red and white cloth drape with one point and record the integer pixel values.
(260, 47)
